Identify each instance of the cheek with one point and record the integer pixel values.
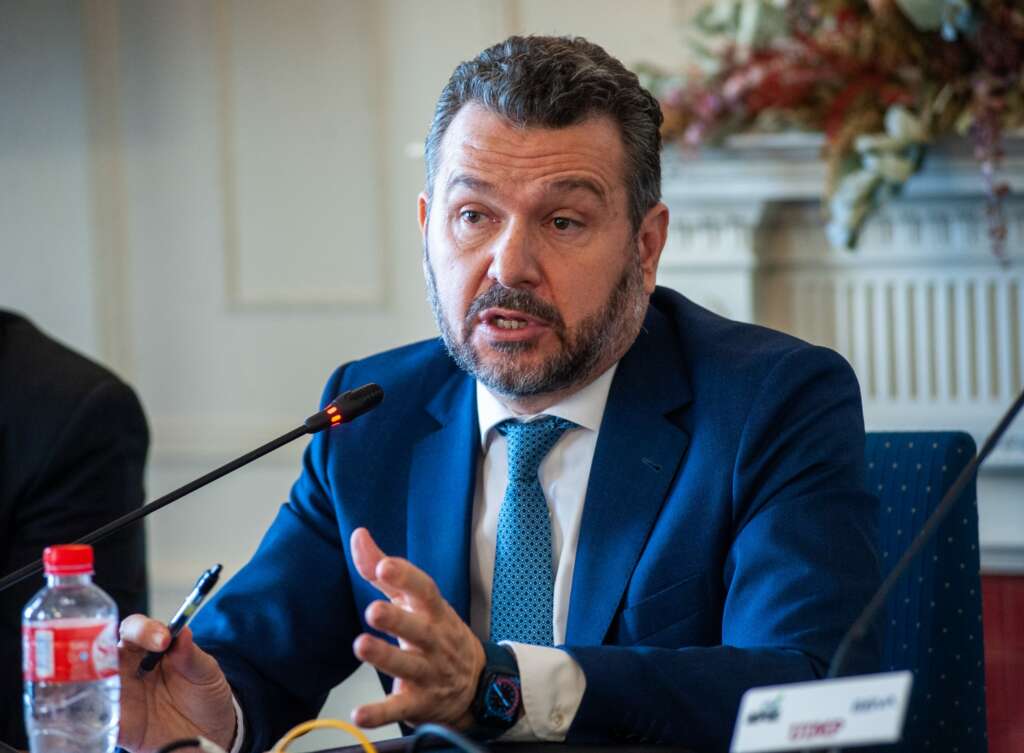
(456, 286)
(460, 277)
(578, 292)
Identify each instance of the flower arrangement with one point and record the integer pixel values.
(880, 78)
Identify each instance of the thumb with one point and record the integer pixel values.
(365, 554)
(191, 662)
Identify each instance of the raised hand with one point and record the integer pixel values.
(438, 661)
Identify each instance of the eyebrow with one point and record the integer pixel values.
(468, 181)
(565, 185)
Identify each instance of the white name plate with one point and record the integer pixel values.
(862, 710)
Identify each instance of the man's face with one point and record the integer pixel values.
(536, 277)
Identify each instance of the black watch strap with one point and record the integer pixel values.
(498, 702)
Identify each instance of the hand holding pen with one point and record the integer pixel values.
(203, 586)
(189, 696)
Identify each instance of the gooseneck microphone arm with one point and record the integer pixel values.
(862, 624)
(344, 408)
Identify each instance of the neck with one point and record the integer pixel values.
(533, 404)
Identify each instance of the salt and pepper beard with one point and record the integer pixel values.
(607, 333)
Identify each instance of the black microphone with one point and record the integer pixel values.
(344, 408)
(863, 622)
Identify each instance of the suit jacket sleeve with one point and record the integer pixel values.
(801, 566)
(282, 629)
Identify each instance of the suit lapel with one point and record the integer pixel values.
(637, 455)
(441, 488)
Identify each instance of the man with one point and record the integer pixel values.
(653, 532)
(73, 443)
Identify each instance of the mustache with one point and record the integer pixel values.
(514, 299)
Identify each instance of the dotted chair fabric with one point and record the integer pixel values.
(933, 623)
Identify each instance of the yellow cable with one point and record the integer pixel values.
(301, 729)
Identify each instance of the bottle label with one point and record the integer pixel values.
(69, 650)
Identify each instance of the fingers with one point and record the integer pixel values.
(390, 659)
(435, 675)
(405, 625)
(396, 577)
(141, 632)
(400, 575)
(395, 708)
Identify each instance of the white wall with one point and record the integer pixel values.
(46, 251)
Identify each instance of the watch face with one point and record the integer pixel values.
(502, 698)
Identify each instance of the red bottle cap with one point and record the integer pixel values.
(68, 559)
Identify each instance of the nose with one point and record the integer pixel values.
(513, 260)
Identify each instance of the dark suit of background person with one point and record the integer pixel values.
(73, 443)
(726, 541)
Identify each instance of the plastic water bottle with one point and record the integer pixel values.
(69, 653)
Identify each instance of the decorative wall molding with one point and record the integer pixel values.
(308, 269)
(912, 233)
(112, 291)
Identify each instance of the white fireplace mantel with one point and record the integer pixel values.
(788, 167)
(931, 321)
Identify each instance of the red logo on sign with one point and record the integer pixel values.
(815, 730)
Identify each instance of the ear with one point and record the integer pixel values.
(423, 208)
(651, 240)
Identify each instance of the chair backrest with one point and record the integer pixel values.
(933, 622)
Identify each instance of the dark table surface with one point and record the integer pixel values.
(401, 744)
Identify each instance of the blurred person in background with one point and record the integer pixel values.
(73, 443)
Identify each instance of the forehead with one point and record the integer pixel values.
(483, 145)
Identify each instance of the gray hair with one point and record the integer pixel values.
(555, 82)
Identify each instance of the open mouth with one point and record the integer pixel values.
(501, 322)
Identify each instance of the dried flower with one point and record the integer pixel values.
(881, 79)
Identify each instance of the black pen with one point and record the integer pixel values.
(203, 586)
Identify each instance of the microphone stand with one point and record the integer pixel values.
(344, 408)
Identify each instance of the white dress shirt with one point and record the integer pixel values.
(552, 682)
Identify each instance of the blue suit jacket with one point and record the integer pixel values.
(726, 541)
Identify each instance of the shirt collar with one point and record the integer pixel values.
(585, 407)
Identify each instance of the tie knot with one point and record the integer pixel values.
(530, 442)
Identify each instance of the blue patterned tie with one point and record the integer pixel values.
(522, 594)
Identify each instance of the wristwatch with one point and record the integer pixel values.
(499, 698)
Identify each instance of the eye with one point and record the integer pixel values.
(471, 216)
(564, 223)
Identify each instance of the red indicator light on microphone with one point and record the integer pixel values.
(345, 407)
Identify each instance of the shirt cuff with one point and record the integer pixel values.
(239, 726)
(552, 685)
